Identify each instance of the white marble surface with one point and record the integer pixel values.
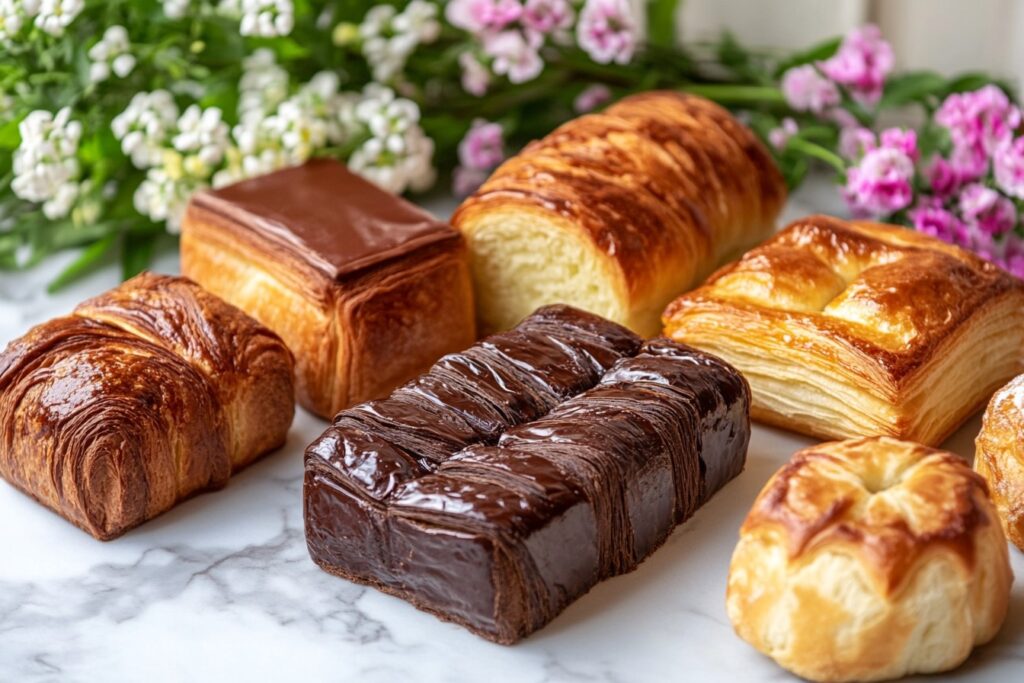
(221, 588)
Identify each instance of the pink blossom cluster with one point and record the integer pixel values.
(882, 180)
(480, 152)
(509, 35)
(859, 67)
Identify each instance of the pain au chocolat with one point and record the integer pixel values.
(618, 212)
(142, 397)
(868, 560)
(366, 289)
(512, 477)
(858, 329)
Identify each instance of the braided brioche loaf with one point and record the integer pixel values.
(619, 212)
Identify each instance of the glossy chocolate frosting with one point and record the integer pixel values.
(508, 480)
(326, 215)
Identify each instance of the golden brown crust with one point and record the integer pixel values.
(868, 560)
(661, 185)
(999, 458)
(144, 396)
(355, 338)
(875, 308)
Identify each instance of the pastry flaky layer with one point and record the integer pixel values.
(366, 289)
(145, 395)
(856, 329)
(512, 477)
(999, 457)
(869, 560)
(618, 212)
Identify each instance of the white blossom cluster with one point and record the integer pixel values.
(267, 18)
(389, 36)
(263, 86)
(398, 155)
(112, 54)
(45, 164)
(51, 16)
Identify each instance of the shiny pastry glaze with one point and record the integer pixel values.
(144, 396)
(888, 502)
(322, 213)
(512, 477)
(999, 458)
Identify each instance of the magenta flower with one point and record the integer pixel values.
(807, 90)
(465, 181)
(547, 16)
(929, 217)
(861, 64)
(943, 178)
(591, 98)
(987, 210)
(514, 56)
(1008, 164)
(856, 141)
(483, 146)
(881, 183)
(779, 137)
(478, 16)
(1013, 256)
(905, 140)
(606, 31)
(979, 121)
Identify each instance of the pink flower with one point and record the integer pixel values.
(478, 16)
(1013, 256)
(881, 183)
(465, 181)
(483, 146)
(986, 210)
(970, 163)
(807, 90)
(980, 120)
(591, 98)
(1008, 164)
(547, 16)
(856, 141)
(904, 140)
(514, 56)
(930, 218)
(861, 64)
(779, 137)
(943, 178)
(475, 76)
(606, 31)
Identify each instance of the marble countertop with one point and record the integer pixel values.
(222, 588)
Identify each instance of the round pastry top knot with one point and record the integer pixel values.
(889, 502)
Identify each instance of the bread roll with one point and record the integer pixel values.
(143, 397)
(618, 212)
(869, 560)
(999, 458)
(857, 329)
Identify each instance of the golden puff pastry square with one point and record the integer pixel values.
(857, 329)
(366, 289)
(999, 457)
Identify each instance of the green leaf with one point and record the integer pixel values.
(90, 258)
(815, 53)
(911, 87)
(661, 22)
(10, 138)
(136, 253)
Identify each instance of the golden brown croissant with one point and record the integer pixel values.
(145, 395)
(618, 212)
(859, 329)
(366, 289)
(1000, 456)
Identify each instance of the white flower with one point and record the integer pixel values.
(176, 9)
(398, 156)
(475, 76)
(56, 15)
(163, 197)
(144, 126)
(263, 86)
(390, 37)
(267, 18)
(514, 56)
(419, 19)
(111, 54)
(45, 165)
(388, 118)
(202, 133)
(12, 17)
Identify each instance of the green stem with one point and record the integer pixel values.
(729, 93)
(818, 152)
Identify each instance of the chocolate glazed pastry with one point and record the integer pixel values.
(146, 395)
(513, 477)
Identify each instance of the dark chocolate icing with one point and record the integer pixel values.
(508, 480)
(327, 216)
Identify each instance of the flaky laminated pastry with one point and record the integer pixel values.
(1000, 456)
(366, 289)
(618, 212)
(144, 396)
(857, 329)
(869, 560)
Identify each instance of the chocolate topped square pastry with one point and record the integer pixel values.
(365, 288)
